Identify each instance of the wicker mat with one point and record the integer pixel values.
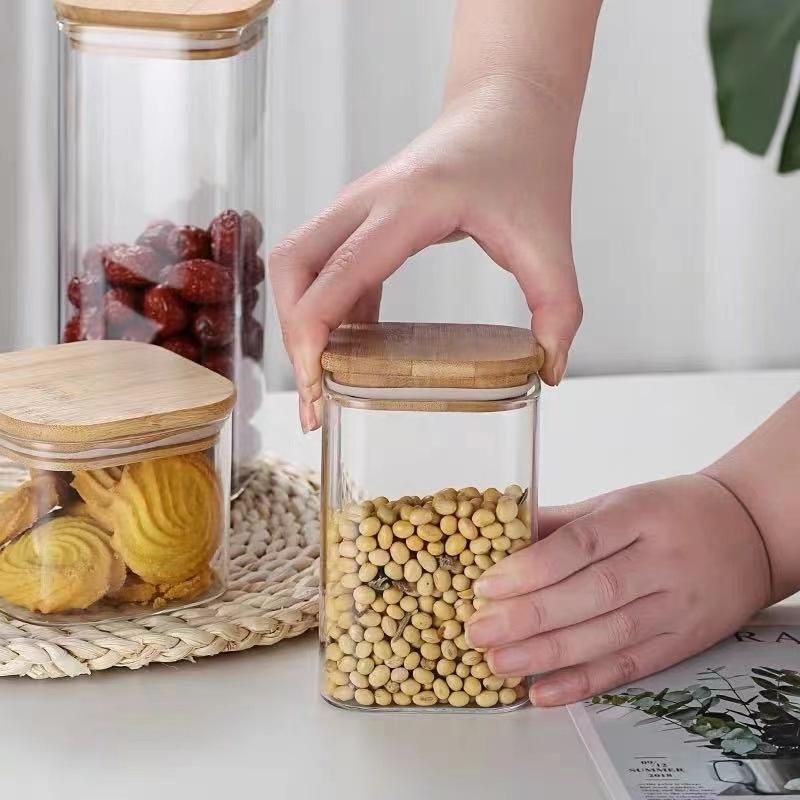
(272, 593)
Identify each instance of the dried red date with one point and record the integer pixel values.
(188, 242)
(254, 270)
(75, 292)
(72, 330)
(165, 307)
(182, 345)
(213, 326)
(86, 291)
(201, 282)
(132, 265)
(156, 235)
(219, 361)
(120, 303)
(226, 238)
(253, 338)
(252, 233)
(249, 300)
(176, 286)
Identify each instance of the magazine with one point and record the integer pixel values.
(725, 723)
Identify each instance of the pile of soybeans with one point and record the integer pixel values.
(398, 589)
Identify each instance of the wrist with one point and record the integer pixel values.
(778, 579)
(525, 91)
(763, 472)
(544, 44)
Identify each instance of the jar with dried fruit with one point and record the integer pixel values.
(421, 425)
(121, 508)
(163, 185)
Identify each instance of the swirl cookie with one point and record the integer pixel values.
(167, 518)
(63, 564)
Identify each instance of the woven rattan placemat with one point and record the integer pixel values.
(272, 593)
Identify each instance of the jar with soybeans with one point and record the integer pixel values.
(428, 480)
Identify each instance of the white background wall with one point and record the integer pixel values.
(687, 249)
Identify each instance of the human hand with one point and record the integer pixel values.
(496, 166)
(622, 586)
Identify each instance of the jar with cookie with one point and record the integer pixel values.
(429, 478)
(121, 507)
(163, 165)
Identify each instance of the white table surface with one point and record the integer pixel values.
(251, 724)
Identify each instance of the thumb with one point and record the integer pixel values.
(555, 303)
(348, 287)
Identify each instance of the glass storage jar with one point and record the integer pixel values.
(162, 183)
(122, 505)
(428, 479)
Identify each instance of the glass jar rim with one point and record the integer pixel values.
(138, 42)
(111, 453)
(435, 394)
(463, 400)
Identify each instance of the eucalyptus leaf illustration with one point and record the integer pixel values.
(764, 723)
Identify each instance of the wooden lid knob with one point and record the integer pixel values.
(432, 355)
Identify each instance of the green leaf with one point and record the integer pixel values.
(700, 692)
(684, 714)
(765, 684)
(775, 696)
(792, 691)
(752, 48)
(770, 711)
(677, 697)
(741, 746)
(790, 676)
(767, 672)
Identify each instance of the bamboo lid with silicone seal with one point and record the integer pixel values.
(432, 362)
(182, 29)
(177, 15)
(124, 508)
(107, 402)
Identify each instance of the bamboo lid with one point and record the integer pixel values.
(170, 15)
(90, 392)
(430, 355)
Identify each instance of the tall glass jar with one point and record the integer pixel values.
(428, 479)
(122, 504)
(162, 184)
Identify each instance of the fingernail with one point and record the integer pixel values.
(480, 630)
(559, 367)
(308, 417)
(494, 586)
(509, 661)
(546, 694)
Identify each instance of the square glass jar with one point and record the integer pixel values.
(429, 478)
(122, 504)
(163, 182)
